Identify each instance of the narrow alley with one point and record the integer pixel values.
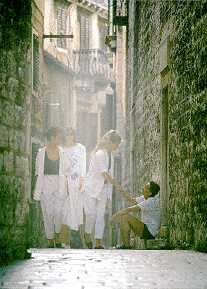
(103, 113)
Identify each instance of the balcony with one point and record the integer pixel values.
(92, 63)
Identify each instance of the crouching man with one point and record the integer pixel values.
(148, 205)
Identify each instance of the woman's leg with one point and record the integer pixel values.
(100, 220)
(90, 216)
(47, 211)
(58, 209)
(65, 235)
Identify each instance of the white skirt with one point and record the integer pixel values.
(73, 209)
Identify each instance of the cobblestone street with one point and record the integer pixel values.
(84, 269)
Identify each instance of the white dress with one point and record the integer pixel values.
(97, 192)
(74, 168)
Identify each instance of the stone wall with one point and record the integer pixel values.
(144, 90)
(166, 111)
(15, 40)
(187, 125)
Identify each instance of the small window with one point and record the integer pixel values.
(36, 62)
(84, 31)
(61, 26)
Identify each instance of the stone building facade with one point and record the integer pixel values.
(17, 108)
(77, 74)
(166, 112)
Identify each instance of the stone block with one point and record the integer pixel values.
(7, 113)
(9, 162)
(10, 62)
(155, 244)
(17, 140)
(1, 162)
(19, 116)
(3, 76)
(22, 213)
(7, 214)
(21, 166)
(3, 136)
(5, 235)
(19, 187)
(12, 88)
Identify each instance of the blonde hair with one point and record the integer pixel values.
(110, 136)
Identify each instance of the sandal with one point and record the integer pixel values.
(88, 242)
(124, 247)
(51, 245)
(58, 245)
(99, 247)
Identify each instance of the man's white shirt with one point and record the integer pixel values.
(150, 213)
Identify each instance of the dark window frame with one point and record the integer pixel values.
(35, 61)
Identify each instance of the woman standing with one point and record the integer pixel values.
(50, 185)
(98, 187)
(75, 171)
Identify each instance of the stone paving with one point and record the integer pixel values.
(114, 269)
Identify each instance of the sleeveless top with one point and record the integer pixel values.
(51, 167)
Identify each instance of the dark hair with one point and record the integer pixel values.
(114, 137)
(154, 188)
(53, 131)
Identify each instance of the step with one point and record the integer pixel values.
(155, 244)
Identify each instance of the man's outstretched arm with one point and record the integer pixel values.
(119, 188)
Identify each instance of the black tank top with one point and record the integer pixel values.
(51, 167)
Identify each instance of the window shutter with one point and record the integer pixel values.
(61, 26)
(84, 32)
(36, 62)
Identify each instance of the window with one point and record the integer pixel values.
(84, 31)
(103, 32)
(36, 62)
(61, 26)
(120, 12)
(35, 148)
